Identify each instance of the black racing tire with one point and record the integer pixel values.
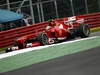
(72, 34)
(83, 31)
(43, 38)
(8, 50)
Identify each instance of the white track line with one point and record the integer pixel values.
(39, 48)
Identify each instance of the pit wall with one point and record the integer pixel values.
(7, 37)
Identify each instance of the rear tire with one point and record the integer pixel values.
(83, 31)
(42, 38)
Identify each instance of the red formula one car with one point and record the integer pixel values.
(55, 32)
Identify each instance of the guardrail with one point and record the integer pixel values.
(92, 19)
(7, 37)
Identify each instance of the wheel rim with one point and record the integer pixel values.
(44, 39)
(86, 30)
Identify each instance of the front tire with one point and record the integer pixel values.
(8, 50)
(42, 38)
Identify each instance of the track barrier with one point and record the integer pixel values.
(7, 37)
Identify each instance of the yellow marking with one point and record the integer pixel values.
(95, 29)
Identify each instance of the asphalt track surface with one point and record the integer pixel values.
(82, 63)
(95, 34)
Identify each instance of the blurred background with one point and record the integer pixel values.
(43, 10)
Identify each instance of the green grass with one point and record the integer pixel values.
(2, 49)
(95, 30)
